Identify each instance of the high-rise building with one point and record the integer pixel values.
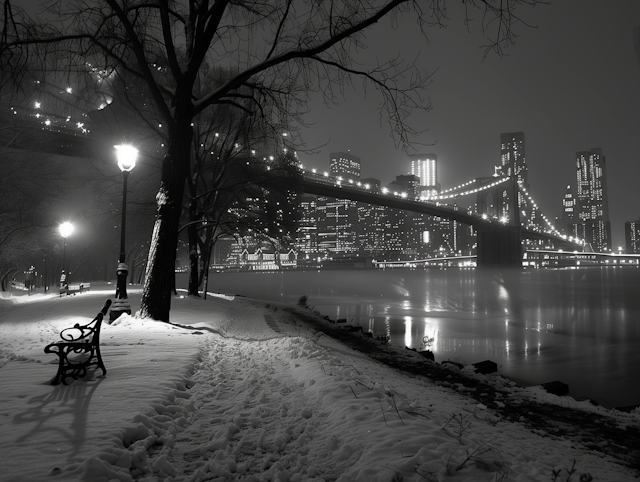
(337, 226)
(592, 222)
(514, 161)
(338, 218)
(565, 221)
(632, 237)
(425, 167)
(404, 230)
(345, 165)
(569, 204)
(405, 183)
(371, 221)
(512, 153)
(306, 242)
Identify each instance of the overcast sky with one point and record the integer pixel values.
(570, 85)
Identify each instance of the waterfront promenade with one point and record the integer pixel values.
(238, 389)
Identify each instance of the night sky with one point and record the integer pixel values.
(570, 85)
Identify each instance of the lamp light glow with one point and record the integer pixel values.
(66, 229)
(127, 156)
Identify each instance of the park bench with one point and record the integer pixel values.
(73, 289)
(79, 350)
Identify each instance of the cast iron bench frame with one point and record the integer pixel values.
(75, 288)
(79, 340)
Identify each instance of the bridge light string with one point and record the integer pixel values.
(463, 185)
(474, 190)
(404, 195)
(338, 182)
(551, 226)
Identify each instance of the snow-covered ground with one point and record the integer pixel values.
(238, 390)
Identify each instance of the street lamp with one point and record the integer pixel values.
(66, 230)
(126, 162)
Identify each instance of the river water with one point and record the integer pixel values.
(579, 326)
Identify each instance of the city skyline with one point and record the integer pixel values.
(570, 85)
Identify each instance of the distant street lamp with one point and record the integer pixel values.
(66, 230)
(126, 162)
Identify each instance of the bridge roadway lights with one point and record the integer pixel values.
(499, 246)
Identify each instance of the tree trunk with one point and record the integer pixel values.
(7, 276)
(160, 273)
(207, 258)
(205, 252)
(192, 231)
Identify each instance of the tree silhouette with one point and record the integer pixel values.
(235, 159)
(276, 53)
(31, 186)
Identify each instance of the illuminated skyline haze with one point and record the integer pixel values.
(570, 85)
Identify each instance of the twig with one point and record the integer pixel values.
(396, 406)
(382, 410)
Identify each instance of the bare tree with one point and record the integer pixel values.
(236, 157)
(258, 200)
(277, 52)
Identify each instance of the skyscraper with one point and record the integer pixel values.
(512, 152)
(338, 218)
(306, 242)
(565, 221)
(425, 166)
(632, 237)
(406, 183)
(345, 165)
(514, 161)
(592, 223)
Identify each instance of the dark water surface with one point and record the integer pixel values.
(579, 326)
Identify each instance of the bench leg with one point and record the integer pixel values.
(60, 372)
(98, 361)
(76, 370)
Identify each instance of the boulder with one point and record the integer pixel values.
(428, 354)
(556, 388)
(485, 367)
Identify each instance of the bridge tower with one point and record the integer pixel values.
(500, 245)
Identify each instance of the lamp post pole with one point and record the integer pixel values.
(66, 229)
(126, 162)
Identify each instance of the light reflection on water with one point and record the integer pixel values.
(579, 326)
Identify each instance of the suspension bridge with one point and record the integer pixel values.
(499, 242)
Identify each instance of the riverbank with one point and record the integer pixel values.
(577, 326)
(242, 389)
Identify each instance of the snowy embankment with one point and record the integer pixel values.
(241, 392)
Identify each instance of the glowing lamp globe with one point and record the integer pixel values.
(127, 156)
(66, 229)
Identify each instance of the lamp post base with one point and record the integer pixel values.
(119, 307)
(121, 303)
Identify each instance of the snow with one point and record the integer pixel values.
(239, 390)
